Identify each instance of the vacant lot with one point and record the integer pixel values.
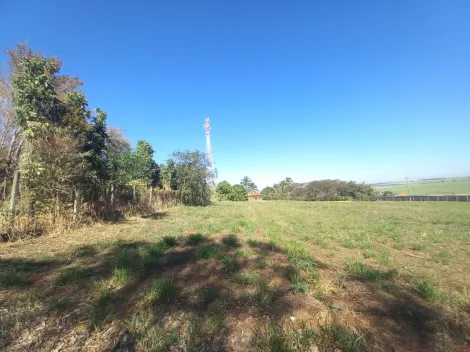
(435, 187)
(258, 276)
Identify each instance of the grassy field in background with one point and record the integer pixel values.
(444, 186)
(249, 276)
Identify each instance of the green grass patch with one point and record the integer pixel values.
(253, 242)
(345, 340)
(162, 291)
(207, 251)
(122, 276)
(368, 254)
(260, 262)
(127, 257)
(418, 246)
(276, 338)
(240, 253)
(229, 262)
(245, 278)
(298, 285)
(169, 241)
(303, 263)
(231, 241)
(73, 275)
(195, 239)
(150, 258)
(158, 339)
(321, 295)
(384, 257)
(442, 257)
(264, 296)
(367, 273)
(13, 277)
(208, 295)
(102, 309)
(427, 290)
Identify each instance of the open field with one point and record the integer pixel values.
(248, 276)
(444, 186)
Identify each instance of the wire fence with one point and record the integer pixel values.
(447, 198)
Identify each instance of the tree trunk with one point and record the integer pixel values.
(134, 196)
(14, 191)
(12, 208)
(4, 187)
(151, 194)
(76, 204)
(111, 198)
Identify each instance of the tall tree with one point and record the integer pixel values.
(249, 184)
(168, 175)
(193, 175)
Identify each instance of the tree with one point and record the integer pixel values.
(223, 190)
(249, 184)
(94, 147)
(193, 175)
(144, 168)
(267, 193)
(118, 162)
(388, 194)
(168, 175)
(238, 193)
(44, 118)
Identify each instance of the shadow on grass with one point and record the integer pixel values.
(400, 311)
(189, 294)
(109, 287)
(155, 216)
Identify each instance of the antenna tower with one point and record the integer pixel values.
(207, 127)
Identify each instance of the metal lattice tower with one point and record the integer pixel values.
(207, 127)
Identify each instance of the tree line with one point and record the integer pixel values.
(324, 190)
(60, 158)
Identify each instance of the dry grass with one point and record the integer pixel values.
(266, 276)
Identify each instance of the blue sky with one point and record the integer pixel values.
(356, 90)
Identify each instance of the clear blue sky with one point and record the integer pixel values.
(355, 90)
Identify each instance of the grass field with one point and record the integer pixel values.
(253, 276)
(445, 186)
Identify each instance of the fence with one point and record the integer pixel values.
(448, 198)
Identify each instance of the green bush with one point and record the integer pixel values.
(238, 193)
(223, 190)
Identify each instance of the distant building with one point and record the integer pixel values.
(254, 196)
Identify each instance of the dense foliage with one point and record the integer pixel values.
(193, 177)
(238, 193)
(225, 191)
(59, 157)
(324, 190)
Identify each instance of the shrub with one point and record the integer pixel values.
(223, 190)
(238, 193)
